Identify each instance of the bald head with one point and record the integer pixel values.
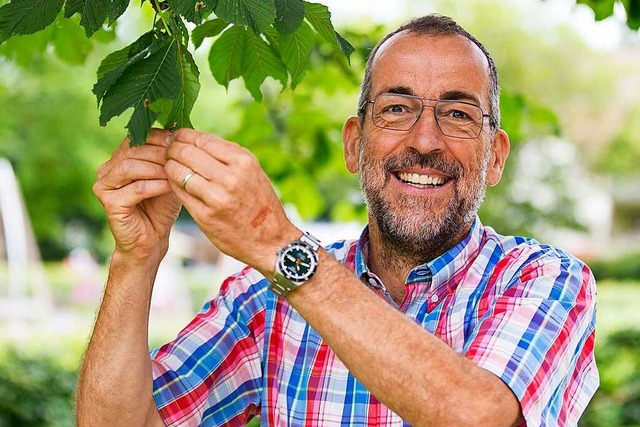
(434, 26)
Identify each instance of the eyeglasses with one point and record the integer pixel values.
(457, 119)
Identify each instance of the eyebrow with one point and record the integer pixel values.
(450, 95)
(458, 95)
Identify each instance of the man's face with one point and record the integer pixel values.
(424, 188)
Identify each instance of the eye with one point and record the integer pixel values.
(396, 108)
(457, 114)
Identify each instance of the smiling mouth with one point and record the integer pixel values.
(421, 181)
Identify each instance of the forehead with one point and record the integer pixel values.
(430, 66)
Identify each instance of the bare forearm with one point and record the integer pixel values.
(116, 382)
(413, 372)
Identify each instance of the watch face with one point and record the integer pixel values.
(298, 262)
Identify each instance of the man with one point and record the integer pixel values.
(445, 322)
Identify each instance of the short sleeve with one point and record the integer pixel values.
(538, 334)
(211, 374)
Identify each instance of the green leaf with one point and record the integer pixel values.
(94, 13)
(69, 42)
(190, 9)
(259, 60)
(116, 63)
(188, 92)
(633, 13)
(225, 56)
(141, 84)
(345, 47)
(320, 17)
(71, 7)
(27, 16)
(257, 14)
(602, 8)
(118, 7)
(208, 29)
(296, 50)
(289, 16)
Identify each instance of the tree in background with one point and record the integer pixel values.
(52, 114)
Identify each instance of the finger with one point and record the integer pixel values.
(132, 194)
(218, 148)
(159, 137)
(197, 186)
(150, 153)
(195, 159)
(130, 170)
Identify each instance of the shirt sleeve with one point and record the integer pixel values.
(211, 374)
(537, 334)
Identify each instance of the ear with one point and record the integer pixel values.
(351, 135)
(499, 151)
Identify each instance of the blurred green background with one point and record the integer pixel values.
(570, 102)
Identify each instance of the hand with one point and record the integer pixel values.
(134, 189)
(229, 197)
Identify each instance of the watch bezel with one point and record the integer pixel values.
(283, 281)
(285, 269)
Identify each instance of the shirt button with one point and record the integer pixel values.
(434, 298)
(372, 281)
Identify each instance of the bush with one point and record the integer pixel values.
(35, 390)
(617, 401)
(625, 267)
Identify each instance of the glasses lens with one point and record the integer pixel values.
(397, 112)
(459, 119)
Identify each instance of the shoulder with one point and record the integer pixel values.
(537, 269)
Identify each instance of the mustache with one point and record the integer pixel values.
(434, 160)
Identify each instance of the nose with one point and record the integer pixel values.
(425, 136)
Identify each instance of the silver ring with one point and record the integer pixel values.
(186, 179)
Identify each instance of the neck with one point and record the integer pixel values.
(392, 261)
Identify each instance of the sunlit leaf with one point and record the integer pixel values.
(259, 61)
(289, 15)
(602, 8)
(208, 29)
(320, 18)
(70, 43)
(257, 14)
(225, 56)
(296, 50)
(27, 16)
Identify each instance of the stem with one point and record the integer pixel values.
(160, 12)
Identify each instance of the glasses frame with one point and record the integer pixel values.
(442, 101)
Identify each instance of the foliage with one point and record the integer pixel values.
(156, 74)
(604, 9)
(617, 401)
(623, 267)
(35, 390)
(49, 137)
(55, 123)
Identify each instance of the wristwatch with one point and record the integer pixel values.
(296, 264)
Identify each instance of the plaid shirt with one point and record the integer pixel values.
(520, 309)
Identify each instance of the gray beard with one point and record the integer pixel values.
(420, 237)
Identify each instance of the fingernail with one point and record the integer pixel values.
(168, 140)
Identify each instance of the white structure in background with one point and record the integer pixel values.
(24, 291)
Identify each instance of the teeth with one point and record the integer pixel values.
(414, 178)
